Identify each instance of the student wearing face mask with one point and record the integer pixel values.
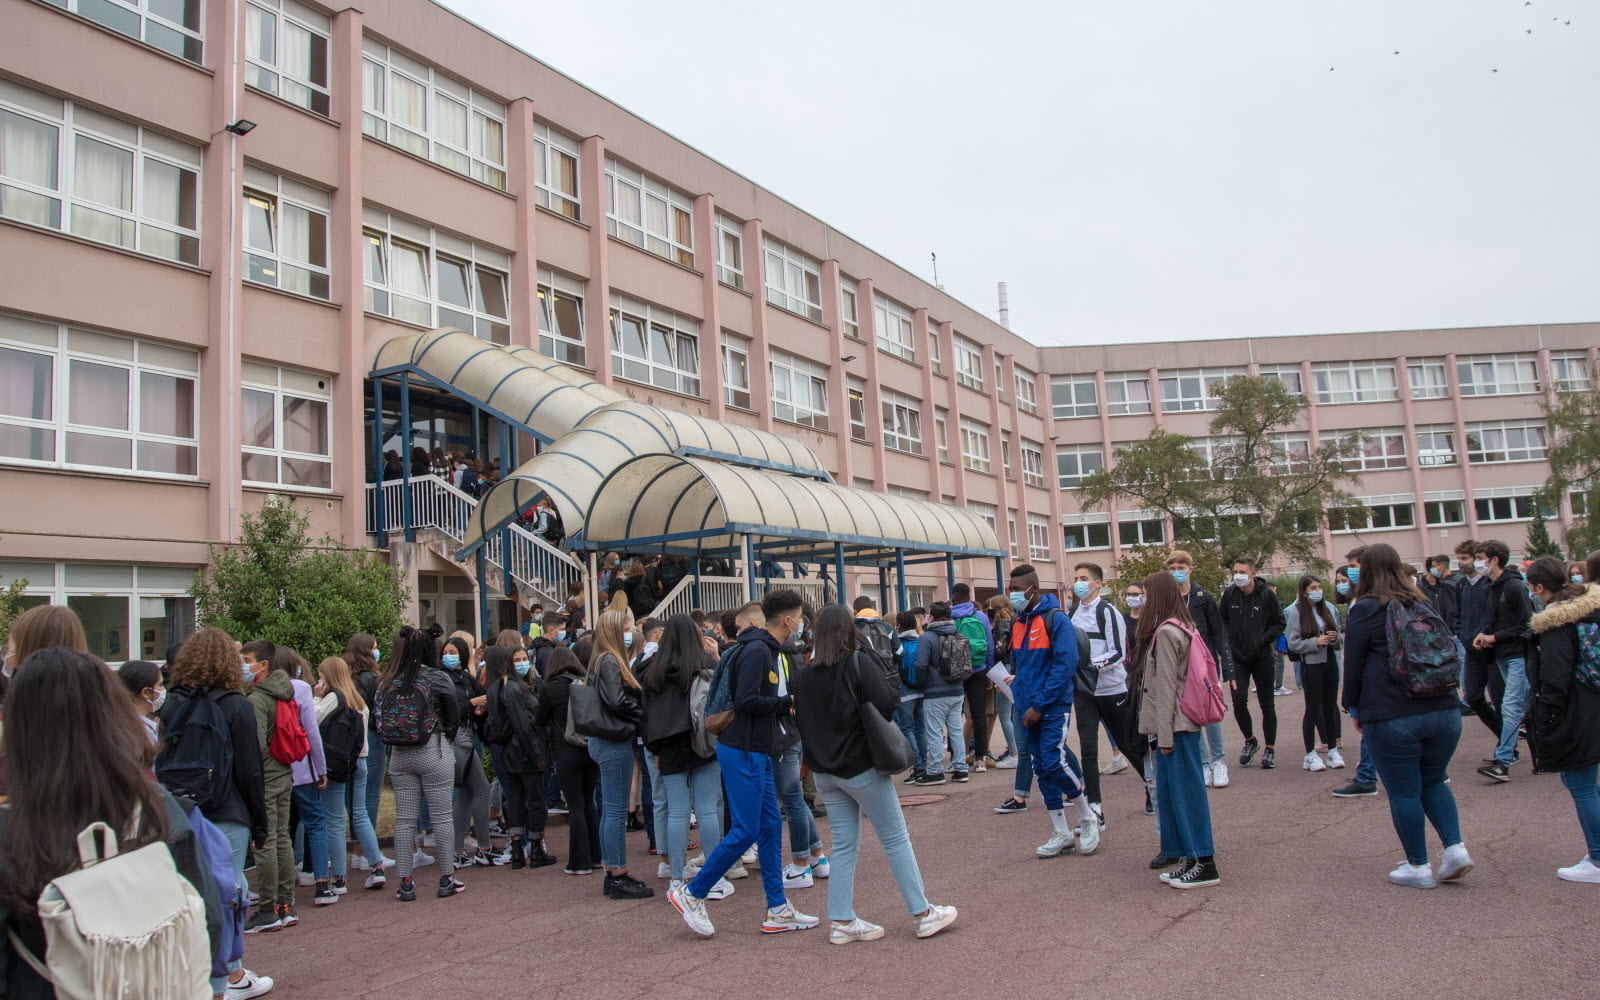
(471, 798)
(521, 753)
(1506, 638)
(1254, 619)
(1312, 630)
(1106, 696)
(1481, 684)
(1441, 590)
(143, 680)
(1207, 619)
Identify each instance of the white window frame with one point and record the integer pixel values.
(549, 148)
(1288, 376)
(1027, 389)
(1429, 378)
(1083, 397)
(1291, 453)
(290, 384)
(1204, 380)
(681, 332)
(1516, 440)
(50, 580)
(730, 251)
(566, 346)
(988, 512)
(1124, 381)
(268, 74)
(799, 390)
(67, 346)
(1439, 503)
(1032, 463)
(273, 266)
(935, 349)
(140, 22)
(1569, 371)
(1039, 538)
(1088, 459)
(1395, 512)
(941, 433)
(902, 422)
(485, 117)
(1519, 503)
(794, 280)
(850, 307)
(382, 232)
(893, 326)
(671, 239)
(736, 372)
(1011, 530)
(856, 393)
(1382, 448)
(1144, 529)
(61, 201)
(969, 364)
(1340, 382)
(1498, 374)
(1086, 532)
(1436, 446)
(974, 445)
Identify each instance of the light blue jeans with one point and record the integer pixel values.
(1512, 706)
(698, 789)
(1003, 711)
(238, 836)
(803, 838)
(1580, 784)
(941, 727)
(847, 798)
(339, 826)
(615, 758)
(1214, 752)
(377, 757)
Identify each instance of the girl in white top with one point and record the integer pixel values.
(336, 688)
(1311, 629)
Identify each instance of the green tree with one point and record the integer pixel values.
(1539, 541)
(1140, 561)
(1255, 497)
(276, 585)
(1573, 417)
(10, 607)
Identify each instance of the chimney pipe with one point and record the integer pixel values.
(1005, 307)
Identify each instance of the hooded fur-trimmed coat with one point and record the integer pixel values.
(1564, 716)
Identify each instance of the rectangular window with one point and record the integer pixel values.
(66, 167)
(555, 171)
(902, 422)
(1355, 381)
(1027, 389)
(850, 308)
(1135, 529)
(1580, 503)
(1291, 453)
(1032, 463)
(561, 318)
(411, 105)
(1497, 374)
(647, 213)
(736, 372)
(1429, 380)
(893, 323)
(1380, 514)
(1126, 393)
(1074, 464)
(794, 281)
(941, 432)
(432, 278)
(128, 612)
(1507, 441)
(286, 51)
(286, 234)
(1445, 512)
(1011, 530)
(284, 430)
(1288, 376)
(730, 251)
(969, 364)
(1077, 533)
(1381, 448)
(81, 400)
(1074, 396)
(1506, 504)
(1039, 538)
(1005, 455)
(974, 445)
(653, 346)
(987, 511)
(1569, 371)
(799, 391)
(176, 27)
(1194, 388)
(935, 349)
(856, 389)
(1436, 445)
(1000, 379)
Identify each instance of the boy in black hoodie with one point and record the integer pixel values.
(1510, 625)
(1254, 620)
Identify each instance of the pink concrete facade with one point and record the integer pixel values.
(417, 166)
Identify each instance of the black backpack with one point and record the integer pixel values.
(196, 756)
(877, 639)
(555, 532)
(953, 659)
(344, 735)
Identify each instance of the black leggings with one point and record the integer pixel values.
(1258, 669)
(580, 777)
(1482, 688)
(1117, 711)
(1322, 702)
(976, 688)
(526, 809)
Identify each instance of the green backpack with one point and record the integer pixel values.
(977, 638)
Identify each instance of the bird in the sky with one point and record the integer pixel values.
(1494, 71)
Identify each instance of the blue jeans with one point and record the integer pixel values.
(803, 837)
(1004, 711)
(1054, 763)
(1366, 770)
(1022, 787)
(698, 789)
(647, 798)
(908, 716)
(309, 803)
(1412, 753)
(238, 835)
(377, 758)
(333, 801)
(1183, 814)
(1214, 752)
(1512, 706)
(753, 811)
(847, 799)
(615, 758)
(1580, 784)
(941, 727)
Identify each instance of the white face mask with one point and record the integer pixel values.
(160, 699)
(1241, 579)
(1480, 566)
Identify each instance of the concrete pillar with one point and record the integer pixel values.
(597, 301)
(525, 260)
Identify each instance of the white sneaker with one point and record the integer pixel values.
(855, 930)
(375, 880)
(1009, 764)
(1335, 759)
(1088, 836)
(737, 871)
(305, 879)
(749, 857)
(795, 877)
(935, 920)
(421, 860)
(1584, 871)
(1313, 762)
(249, 985)
(1455, 863)
(693, 909)
(503, 857)
(664, 870)
(1219, 775)
(1116, 765)
(1206, 772)
(426, 839)
(1058, 844)
(1413, 876)
(722, 890)
(787, 918)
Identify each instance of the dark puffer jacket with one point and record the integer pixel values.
(1564, 717)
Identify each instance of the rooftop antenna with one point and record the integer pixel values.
(1005, 307)
(936, 271)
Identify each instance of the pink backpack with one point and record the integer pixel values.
(1201, 700)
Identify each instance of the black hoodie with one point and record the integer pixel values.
(1254, 620)
(1510, 615)
(1208, 622)
(756, 702)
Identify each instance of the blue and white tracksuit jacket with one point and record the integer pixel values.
(1044, 657)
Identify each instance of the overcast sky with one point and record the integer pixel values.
(1147, 169)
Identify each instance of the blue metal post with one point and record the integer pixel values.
(405, 456)
(950, 573)
(750, 567)
(483, 595)
(510, 589)
(901, 598)
(1000, 574)
(883, 588)
(838, 572)
(379, 520)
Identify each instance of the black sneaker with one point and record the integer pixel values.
(1162, 861)
(1496, 770)
(538, 857)
(288, 916)
(324, 895)
(1269, 759)
(1149, 806)
(1354, 789)
(930, 779)
(1248, 754)
(1184, 864)
(559, 808)
(960, 777)
(1201, 873)
(264, 919)
(339, 886)
(627, 887)
(1011, 805)
(449, 885)
(912, 778)
(407, 893)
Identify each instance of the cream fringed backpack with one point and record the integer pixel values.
(122, 927)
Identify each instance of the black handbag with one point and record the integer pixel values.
(589, 717)
(891, 751)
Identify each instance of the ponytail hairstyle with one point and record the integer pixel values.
(1311, 614)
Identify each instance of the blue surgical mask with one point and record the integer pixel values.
(561, 636)
(450, 661)
(1135, 601)
(1354, 573)
(1019, 599)
(1314, 596)
(377, 655)
(1577, 578)
(521, 667)
(627, 639)
(1080, 590)
(249, 676)
(1342, 587)
(1181, 575)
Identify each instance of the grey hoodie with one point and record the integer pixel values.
(927, 657)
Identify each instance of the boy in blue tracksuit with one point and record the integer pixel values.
(1044, 661)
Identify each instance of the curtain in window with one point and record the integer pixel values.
(451, 124)
(409, 103)
(372, 86)
(98, 395)
(304, 236)
(28, 151)
(305, 426)
(25, 384)
(168, 194)
(260, 35)
(103, 174)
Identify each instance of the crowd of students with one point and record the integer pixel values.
(765, 718)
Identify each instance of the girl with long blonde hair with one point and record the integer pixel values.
(621, 712)
(336, 690)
